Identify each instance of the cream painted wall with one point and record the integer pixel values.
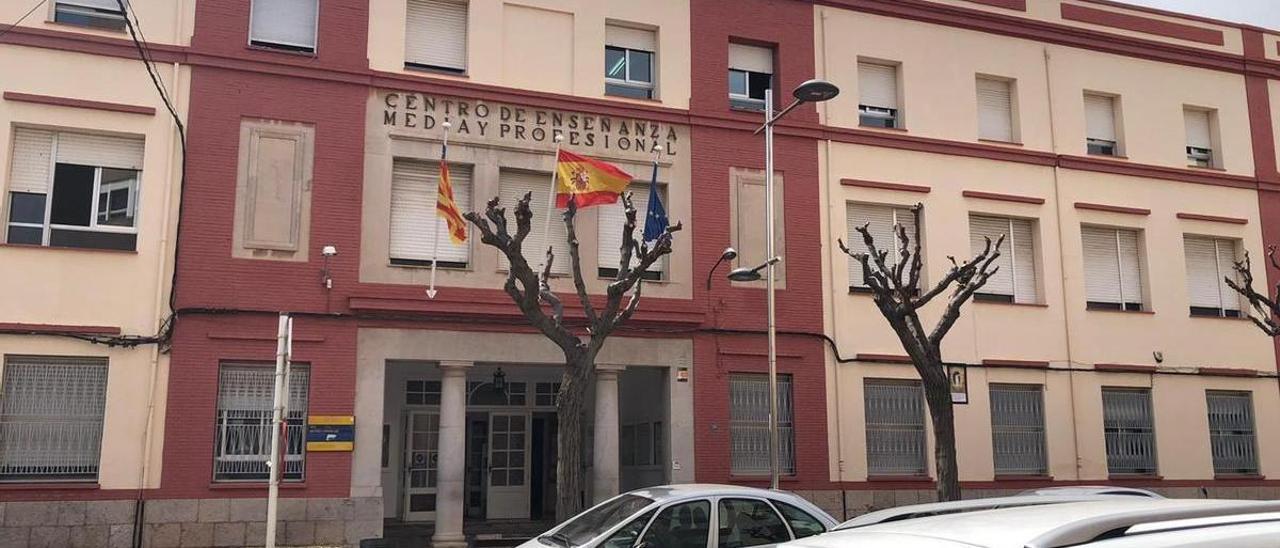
(559, 46)
(166, 21)
(1059, 330)
(938, 100)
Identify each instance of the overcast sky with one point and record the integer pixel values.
(1263, 13)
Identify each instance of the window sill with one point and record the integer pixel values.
(76, 249)
(1134, 477)
(1004, 303)
(1112, 156)
(749, 110)
(1023, 477)
(442, 268)
(875, 128)
(999, 142)
(51, 485)
(1116, 311)
(1251, 477)
(900, 479)
(253, 485)
(284, 51)
(440, 71)
(1232, 318)
(640, 100)
(1207, 168)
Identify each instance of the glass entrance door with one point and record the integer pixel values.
(421, 459)
(508, 489)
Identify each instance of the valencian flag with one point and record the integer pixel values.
(655, 220)
(446, 208)
(587, 182)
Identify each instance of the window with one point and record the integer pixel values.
(802, 524)
(1112, 268)
(513, 185)
(284, 24)
(749, 522)
(1209, 262)
(1231, 432)
(436, 35)
(881, 220)
(102, 14)
(895, 428)
(416, 230)
(546, 393)
(641, 444)
(878, 95)
(750, 74)
(1017, 429)
(422, 392)
(1129, 430)
(995, 109)
(242, 440)
(611, 219)
(1015, 282)
(628, 62)
(627, 536)
(684, 525)
(749, 424)
(74, 190)
(1100, 125)
(1199, 137)
(51, 418)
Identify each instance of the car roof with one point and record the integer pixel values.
(1092, 490)
(666, 493)
(916, 511)
(1002, 528)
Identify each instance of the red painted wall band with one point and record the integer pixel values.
(1124, 21)
(77, 103)
(1213, 218)
(1002, 197)
(922, 189)
(1113, 209)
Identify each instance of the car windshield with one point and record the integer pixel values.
(596, 521)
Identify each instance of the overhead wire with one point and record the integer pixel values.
(23, 18)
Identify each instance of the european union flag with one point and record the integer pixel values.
(655, 221)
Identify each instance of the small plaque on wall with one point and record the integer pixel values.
(331, 433)
(959, 377)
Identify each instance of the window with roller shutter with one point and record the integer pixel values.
(436, 35)
(880, 220)
(610, 220)
(995, 109)
(1015, 281)
(71, 189)
(1112, 268)
(1100, 125)
(878, 95)
(100, 14)
(417, 231)
(750, 74)
(1199, 137)
(629, 55)
(284, 24)
(1210, 261)
(512, 186)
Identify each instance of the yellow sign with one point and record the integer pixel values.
(331, 433)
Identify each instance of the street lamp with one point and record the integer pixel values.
(728, 254)
(812, 91)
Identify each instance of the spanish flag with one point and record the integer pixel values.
(587, 182)
(446, 208)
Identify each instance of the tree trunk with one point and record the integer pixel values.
(570, 445)
(941, 413)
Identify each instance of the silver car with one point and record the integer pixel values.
(1114, 522)
(682, 516)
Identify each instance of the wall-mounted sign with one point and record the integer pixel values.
(518, 124)
(682, 374)
(959, 377)
(331, 433)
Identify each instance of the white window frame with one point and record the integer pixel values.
(1007, 87)
(855, 238)
(312, 49)
(466, 38)
(91, 10)
(1200, 154)
(1010, 249)
(1225, 293)
(627, 81)
(745, 100)
(1099, 146)
(299, 377)
(77, 410)
(882, 112)
(1123, 305)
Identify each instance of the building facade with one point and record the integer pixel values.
(1128, 155)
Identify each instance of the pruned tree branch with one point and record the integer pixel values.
(1265, 309)
(575, 262)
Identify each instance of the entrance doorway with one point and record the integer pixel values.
(421, 457)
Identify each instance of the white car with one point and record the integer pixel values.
(1116, 522)
(915, 511)
(1085, 490)
(681, 516)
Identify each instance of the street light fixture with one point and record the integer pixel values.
(812, 91)
(728, 254)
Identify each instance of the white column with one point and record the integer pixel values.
(452, 456)
(604, 466)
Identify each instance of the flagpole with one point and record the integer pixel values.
(551, 203)
(278, 420)
(435, 244)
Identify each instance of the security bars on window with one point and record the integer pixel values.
(1232, 440)
(895, 428)
(1017, 429)
(749, 424)
(1129, 431)
(243, 435)
(51, 418)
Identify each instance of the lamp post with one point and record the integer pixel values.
(812, 91)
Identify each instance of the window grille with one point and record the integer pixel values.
(243, 436)
(1129, 430)
(51, 418)
(1231, 432)
(895, 428)
(749, 424)
(1017, 429)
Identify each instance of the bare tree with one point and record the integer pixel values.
(544, 310)
(897, 292)
(1265, 308)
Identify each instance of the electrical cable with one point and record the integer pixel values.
(21, 19)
